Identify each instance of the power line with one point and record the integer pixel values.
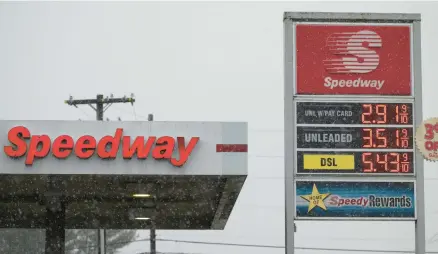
(271, 246)
(298, 248)
(168, 253)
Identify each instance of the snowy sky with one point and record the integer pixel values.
(196, 61)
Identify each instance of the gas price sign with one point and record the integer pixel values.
(354, 138)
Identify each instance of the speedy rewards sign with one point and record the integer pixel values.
(352, 59)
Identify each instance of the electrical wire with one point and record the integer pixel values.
(298, 248)
(133, 110)
(265, 246)
(133, 113)
(84, 112)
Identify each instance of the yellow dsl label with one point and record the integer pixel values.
(328, 161)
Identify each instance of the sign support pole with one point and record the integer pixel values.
(420, 223)
(289, 142)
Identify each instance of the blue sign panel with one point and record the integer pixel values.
(344, 199)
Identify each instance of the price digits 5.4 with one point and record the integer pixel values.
(386, 162)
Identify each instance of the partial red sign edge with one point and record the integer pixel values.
(231, 148)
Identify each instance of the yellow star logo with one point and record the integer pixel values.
(316, 199)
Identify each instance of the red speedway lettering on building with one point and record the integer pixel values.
(353, 59)
(86, 146)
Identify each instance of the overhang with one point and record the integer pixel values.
(98, 193)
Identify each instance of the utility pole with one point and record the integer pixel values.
(152, 236)
(100, 105)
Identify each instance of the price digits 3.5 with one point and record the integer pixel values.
(381, 139)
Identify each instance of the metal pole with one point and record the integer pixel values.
(102, 241)
(55, 217)
(153, 235)
(101, 236)
(289, 139)
(153, 238)
(420, 223)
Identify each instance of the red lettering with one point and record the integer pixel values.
(106, 148)
(15, 137)
(164, 148)
(85, 147)
(105, 141)
(62, 146)
(39, 147)
(431, 145)
(139, 147)
(184, 152)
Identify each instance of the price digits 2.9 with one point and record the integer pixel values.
(386, 162)
(385, 114)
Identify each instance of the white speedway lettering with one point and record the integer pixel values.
(332, 83)
(339, 201)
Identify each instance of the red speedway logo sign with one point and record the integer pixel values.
(352, 59)
(84, 147)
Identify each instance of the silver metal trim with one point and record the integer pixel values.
(351, 16)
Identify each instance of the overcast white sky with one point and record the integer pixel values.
(195, 61)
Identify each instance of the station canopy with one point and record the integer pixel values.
(121, 175)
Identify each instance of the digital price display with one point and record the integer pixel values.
(354, 137)
(354, 113)
(355, 162)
